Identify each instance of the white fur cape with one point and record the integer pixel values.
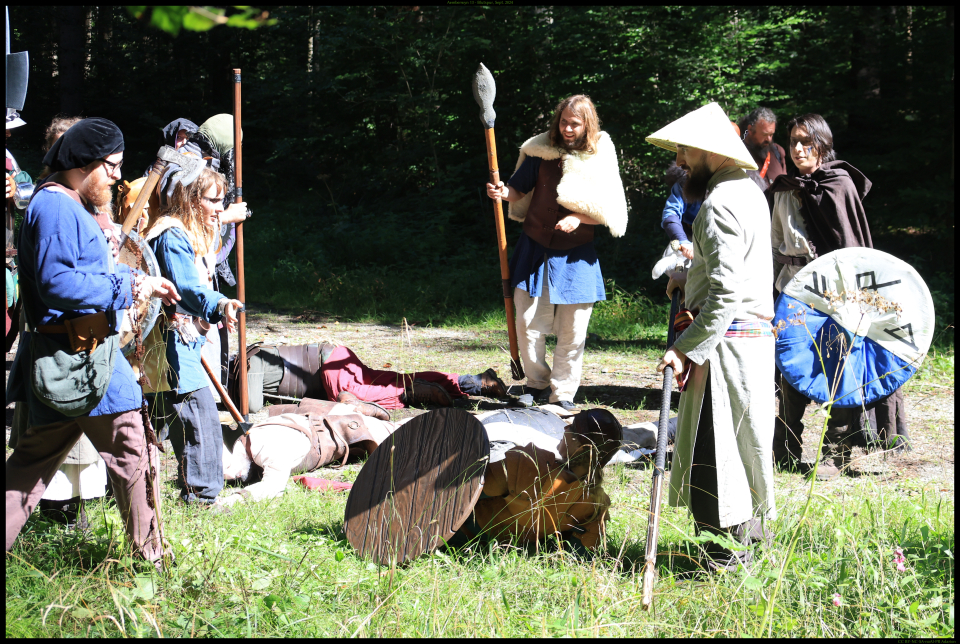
(590, 184)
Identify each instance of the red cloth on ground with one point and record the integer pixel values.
(343, 371)
(321, 484)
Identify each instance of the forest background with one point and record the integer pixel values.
(363, 153)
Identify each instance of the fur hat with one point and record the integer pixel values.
(707, 128)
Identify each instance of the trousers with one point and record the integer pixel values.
(192, 424)
(884, 423)
(536, 318)
(120, 440)
(343, 371)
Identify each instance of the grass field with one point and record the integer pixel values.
(284, 569)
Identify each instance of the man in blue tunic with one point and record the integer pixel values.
(567, 181)
(66, 273)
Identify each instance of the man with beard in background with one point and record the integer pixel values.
(757, 129)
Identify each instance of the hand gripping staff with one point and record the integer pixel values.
(656, 490)
(241, 286)
(484, 91)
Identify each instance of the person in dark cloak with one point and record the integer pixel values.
(816, 210)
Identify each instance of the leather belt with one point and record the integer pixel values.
(789, 260)
(51, 328)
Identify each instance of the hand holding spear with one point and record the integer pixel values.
(485, 91)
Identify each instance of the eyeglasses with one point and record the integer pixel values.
(113, 167)
(806, 143)
(213, 202)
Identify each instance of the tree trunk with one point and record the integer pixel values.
(71, 59)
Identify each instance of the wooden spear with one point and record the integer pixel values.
(484, 91)
(241, 287)
(656, 490)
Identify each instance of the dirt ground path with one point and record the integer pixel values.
(624, 382)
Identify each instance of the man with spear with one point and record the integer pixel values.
(566, 182)
(722, 462)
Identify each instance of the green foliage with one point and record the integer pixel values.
(364, 157)
(173, 19)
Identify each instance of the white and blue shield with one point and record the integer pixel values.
(853, 326)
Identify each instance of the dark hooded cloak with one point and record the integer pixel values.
(168, 135)
(832, 206)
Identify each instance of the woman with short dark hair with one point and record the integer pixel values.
(816, 211)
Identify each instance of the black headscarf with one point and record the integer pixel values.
(85, 142)
(168, 135)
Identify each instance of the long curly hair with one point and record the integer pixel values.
(584, 109)
(184, 204)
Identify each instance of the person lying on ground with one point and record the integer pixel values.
(545, 477)
(336, 373)
(297, 439)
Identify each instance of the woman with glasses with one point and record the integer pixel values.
(185, 240)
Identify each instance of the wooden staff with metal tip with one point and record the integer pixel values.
(241, 286)
(484, 91)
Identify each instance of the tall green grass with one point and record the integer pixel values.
(283, 569)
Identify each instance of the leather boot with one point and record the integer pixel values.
(70, 513)
(842, 460)
(828, 469)
(426, 393)
(492, 386)
(366, 408)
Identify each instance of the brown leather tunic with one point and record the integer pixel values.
(544, 212)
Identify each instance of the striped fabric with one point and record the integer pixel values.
(738, 329)
(749, 329)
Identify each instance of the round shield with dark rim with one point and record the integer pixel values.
(417, 487)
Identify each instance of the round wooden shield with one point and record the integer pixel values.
(417, 487)
(136, 253)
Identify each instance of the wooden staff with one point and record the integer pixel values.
(484, 91)
(241, 287)
(656, 490)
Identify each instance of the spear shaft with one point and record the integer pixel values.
(484, 91)
(241, 285)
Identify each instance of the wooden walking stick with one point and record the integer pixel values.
(241, 287)
(656, 490)
(484, 91)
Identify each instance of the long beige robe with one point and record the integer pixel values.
(730, 279)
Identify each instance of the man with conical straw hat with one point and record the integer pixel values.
(722, 463)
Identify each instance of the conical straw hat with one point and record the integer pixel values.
(707, 128)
